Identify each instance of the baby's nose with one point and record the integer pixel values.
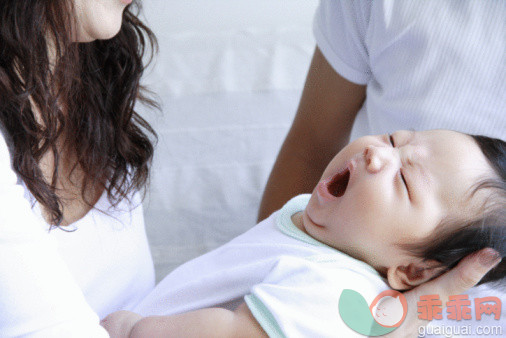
(376, 158)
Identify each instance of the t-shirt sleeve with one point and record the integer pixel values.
(300, 298)
(38, 295)
(340, 29)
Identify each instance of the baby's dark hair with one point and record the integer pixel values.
(487, 230)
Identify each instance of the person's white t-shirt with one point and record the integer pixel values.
(59, 283)
(432, 64)
(291, 282)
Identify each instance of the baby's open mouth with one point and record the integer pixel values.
(337, 185)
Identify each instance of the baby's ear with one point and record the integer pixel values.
(405, 277)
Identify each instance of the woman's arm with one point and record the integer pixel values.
(38, 295)
(212, 322)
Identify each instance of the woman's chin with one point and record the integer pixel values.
(108, 34)
(104, 33)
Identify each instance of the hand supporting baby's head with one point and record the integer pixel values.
(384, 198)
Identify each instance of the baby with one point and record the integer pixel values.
(398, 209)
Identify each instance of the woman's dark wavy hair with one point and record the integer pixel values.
(486, 230)
(85, 98)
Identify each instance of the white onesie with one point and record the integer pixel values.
(291, 282)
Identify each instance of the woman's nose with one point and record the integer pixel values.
(376, 158)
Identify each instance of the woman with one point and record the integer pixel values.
(69, 78)
(73, 156)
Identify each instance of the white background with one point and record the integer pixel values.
(229, 76)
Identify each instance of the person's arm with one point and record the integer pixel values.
(456, 281)
(212, 322)
(321, 127)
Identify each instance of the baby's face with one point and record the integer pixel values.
(375, 194)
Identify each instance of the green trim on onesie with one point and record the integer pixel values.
(285, 224)
(263, 316)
